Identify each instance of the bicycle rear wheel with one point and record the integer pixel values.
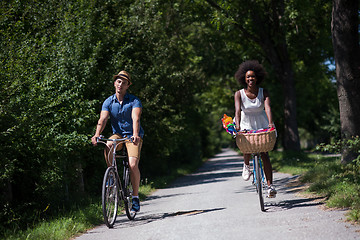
(128, 195)
(259, 182)
(110, 197)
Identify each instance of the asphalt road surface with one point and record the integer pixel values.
(216, 203)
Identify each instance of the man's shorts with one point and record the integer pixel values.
(132, 149)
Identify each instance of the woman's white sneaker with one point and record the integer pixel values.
(271, 191)
(246, 173)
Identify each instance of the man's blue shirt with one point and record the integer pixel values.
(120, 114)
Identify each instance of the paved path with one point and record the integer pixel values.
(215, 203)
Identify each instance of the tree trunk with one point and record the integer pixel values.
(8, 193)
(345, 38)
(279, 58)
(80, 179)
(291, 136)
(276, 51)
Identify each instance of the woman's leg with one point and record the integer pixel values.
(246, 173)
(267, 168)
(247, 158)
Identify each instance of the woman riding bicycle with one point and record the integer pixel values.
(253, 112)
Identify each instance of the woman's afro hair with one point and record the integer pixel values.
(250, 65)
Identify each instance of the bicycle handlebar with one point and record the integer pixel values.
(242, 131)
(101, 139)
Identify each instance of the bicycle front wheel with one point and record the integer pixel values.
(259, 182)
(128, 195)
(110, 197)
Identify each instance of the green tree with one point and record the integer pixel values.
(284, 37)
(58, 58)
(161, 58)
(51, 53)
(58, 61)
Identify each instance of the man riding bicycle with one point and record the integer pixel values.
(124, 110)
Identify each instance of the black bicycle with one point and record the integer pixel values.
(116, 189)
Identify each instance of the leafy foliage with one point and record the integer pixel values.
(352, 144)
(337, 183)
(57, 68)
(57, 62)
(342, 182)
(297, 25)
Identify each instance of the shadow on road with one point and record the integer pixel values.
(225, 166)
(216, 169)
(153, 197)
(296, 203)
(141, 220)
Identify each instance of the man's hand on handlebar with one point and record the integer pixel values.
(94, 140)
(135, 139)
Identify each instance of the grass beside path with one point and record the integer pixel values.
(68, 224)
(64, 226)
(82, 217)
(326, 176)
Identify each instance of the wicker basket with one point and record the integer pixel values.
(256, 142)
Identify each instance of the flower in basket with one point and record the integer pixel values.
(229, 125)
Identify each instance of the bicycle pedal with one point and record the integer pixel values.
(133, 213)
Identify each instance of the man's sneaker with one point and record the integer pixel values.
(271, 191)
(135, 205)
(110, 182)
(246, 173)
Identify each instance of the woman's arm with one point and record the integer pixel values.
(268, 108)
(237, 99)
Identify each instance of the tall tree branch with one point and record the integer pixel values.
(235, 21)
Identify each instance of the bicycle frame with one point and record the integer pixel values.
(248, 144)
(120, 187)
(261, 168)
(115, 155)
(259, 178)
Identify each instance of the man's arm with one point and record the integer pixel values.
(104, 116)
(135, 115)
